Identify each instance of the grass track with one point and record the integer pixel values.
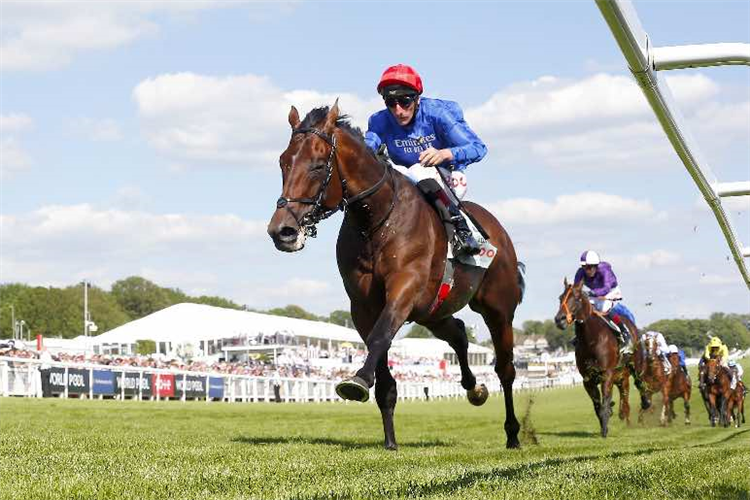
(59, 449)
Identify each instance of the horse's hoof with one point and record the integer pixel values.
(391, 446)
(478, 395)
(353, 389)
(513, 444)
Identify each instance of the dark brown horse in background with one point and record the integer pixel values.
(650, 370)
(597, 354)
(391, 255)
(679, 385)
(718, 391)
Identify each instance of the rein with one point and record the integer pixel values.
(319, 212)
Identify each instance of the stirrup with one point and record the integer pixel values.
(466, 245)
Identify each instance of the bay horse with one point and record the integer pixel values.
(597, 353)
(718, 391)
(679, 385)
(650, 371)
(391, 255)
(736, 409)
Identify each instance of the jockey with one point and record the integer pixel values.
(714, 349)
(661, 348)
(604, 291)
(422, 134)
(737, 373)
(673, 349)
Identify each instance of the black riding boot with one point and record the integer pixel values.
(456, 229)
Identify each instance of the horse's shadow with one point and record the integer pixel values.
(572, 434)
(345, 444)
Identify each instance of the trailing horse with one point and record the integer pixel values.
(718, 392)
(391, 254)
(650, 371)
(598, 355)
(679, 385)
(736, 407)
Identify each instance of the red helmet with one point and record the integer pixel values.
(401, 74)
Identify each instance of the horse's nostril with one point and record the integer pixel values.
(288, 233)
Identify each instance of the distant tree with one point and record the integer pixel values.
(139, 297)
(145, 347)
(343, 318)
(418, 332)
(293, 311)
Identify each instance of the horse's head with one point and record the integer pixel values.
(649, 345)
(574, 305)
(712, 370)
(307, 168)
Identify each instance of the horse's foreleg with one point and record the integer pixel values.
(386, 395)
(400, 292)
(606, 407)
(624, 388)
(592, 388)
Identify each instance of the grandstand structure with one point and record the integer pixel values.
(645, 61)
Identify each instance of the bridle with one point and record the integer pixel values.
(319, 212)
(569, 318)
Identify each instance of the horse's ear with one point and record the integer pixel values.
(579, 286)
(333, 116)
(565, 282)
(294, 118)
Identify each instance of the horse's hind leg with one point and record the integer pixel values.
(386, 395)
(606, 407)
(452, 330)
(502, 339)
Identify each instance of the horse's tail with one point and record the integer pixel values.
(521, 273)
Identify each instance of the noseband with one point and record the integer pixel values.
(319, 212)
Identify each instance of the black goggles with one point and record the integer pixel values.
(404, 101)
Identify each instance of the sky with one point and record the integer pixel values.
(142, 138)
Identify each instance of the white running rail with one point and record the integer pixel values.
(644, 61)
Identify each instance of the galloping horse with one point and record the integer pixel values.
(597, 353)
(736, 407)
(650, 370)
(718, 391)
(391, 254)
(679, 385)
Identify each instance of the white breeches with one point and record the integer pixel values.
(605, 305)
(417, 173)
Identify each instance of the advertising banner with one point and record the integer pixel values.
(103, 383)
(163, 385)
(130, 384)
(193, 386)
(77, 381)
(216, 387)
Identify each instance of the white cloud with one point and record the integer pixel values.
(582, 206)
(600, 120)
(236, 119)
(13, 158)
(121, 232)
(656, 258)
(15, 122)
(717, 279)
(40, 36)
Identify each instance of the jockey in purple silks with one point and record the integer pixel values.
(604, 292)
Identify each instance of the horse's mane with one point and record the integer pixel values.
(317, 115)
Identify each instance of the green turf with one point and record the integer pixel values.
(61, 449)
